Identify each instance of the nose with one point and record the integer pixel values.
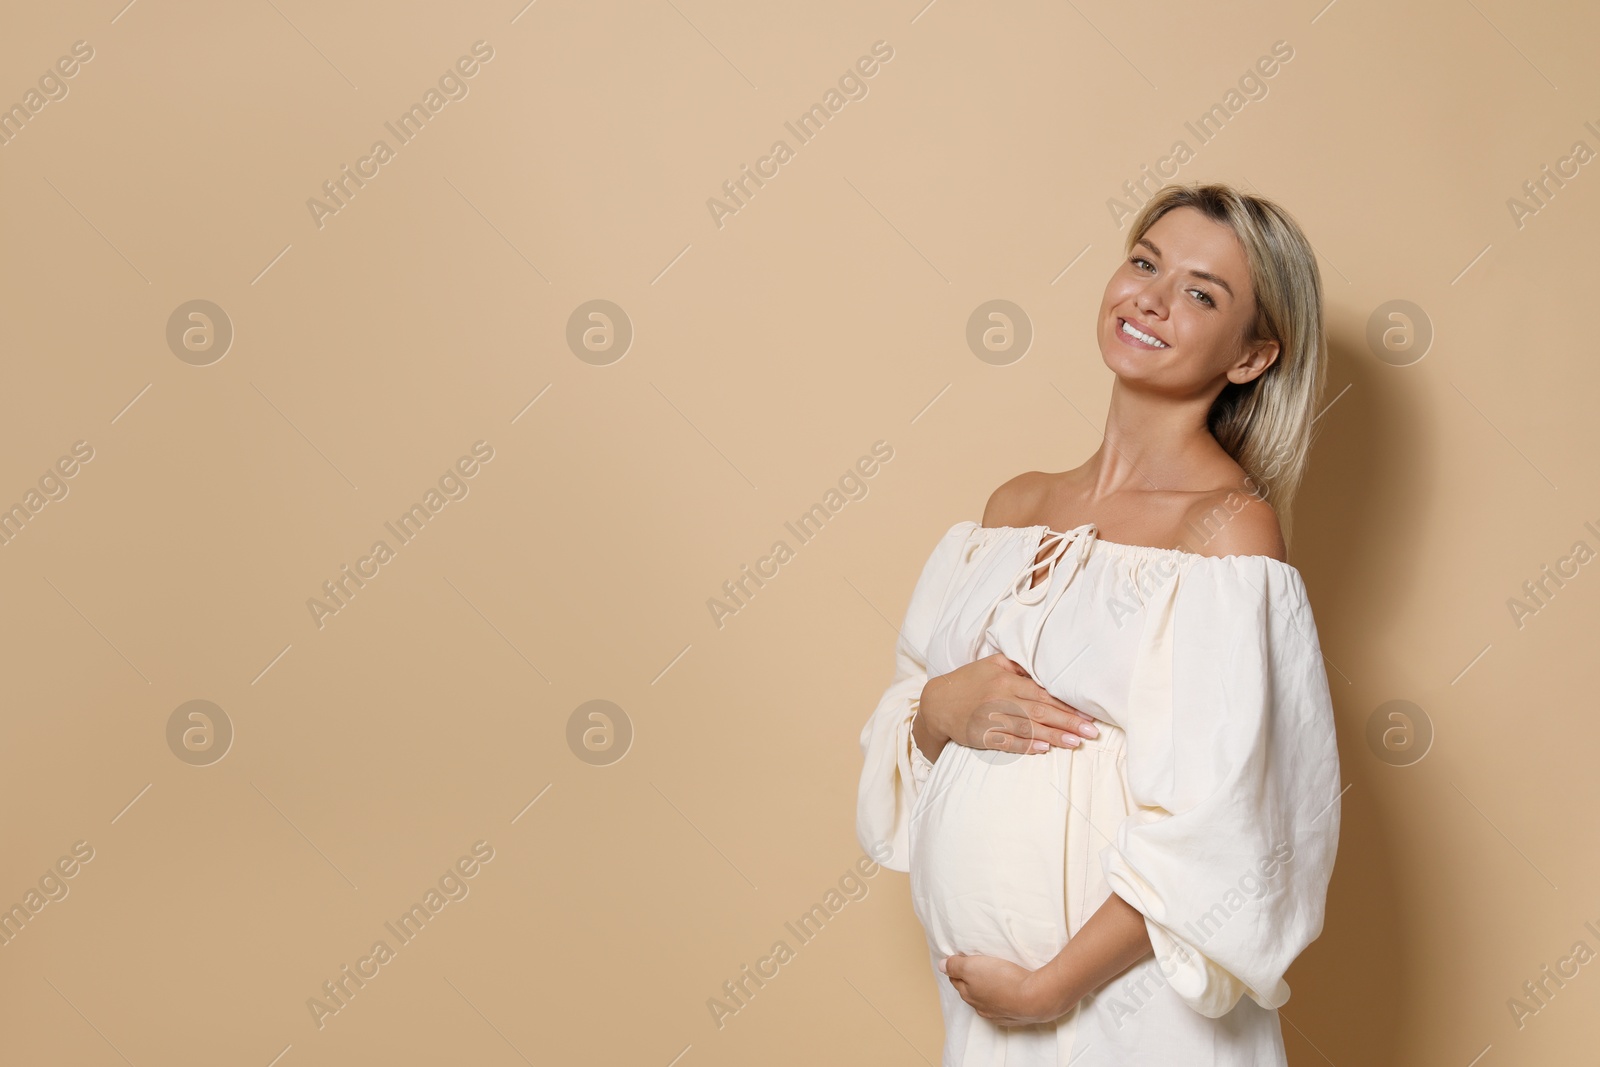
(1150, 299)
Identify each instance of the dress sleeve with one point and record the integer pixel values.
(1233, 768)
(893, 767)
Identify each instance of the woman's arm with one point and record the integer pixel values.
(1114, 938)
(928, 743)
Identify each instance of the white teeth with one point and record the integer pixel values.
(1127, 328)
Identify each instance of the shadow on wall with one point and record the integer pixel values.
(1372, 472)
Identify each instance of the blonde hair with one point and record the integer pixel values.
(1264, 424)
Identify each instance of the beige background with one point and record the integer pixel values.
(769, 354)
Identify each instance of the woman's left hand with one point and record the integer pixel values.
(1001, 991)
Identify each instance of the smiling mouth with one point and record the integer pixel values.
(1136, 337)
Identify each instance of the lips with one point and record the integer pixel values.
(1135, 342)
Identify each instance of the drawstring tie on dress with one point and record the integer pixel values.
(1075, 542)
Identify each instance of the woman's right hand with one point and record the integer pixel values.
(993, 703)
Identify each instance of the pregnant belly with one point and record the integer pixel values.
(988, 853)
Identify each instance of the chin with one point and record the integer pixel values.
(1118, 358)
(1124, 368)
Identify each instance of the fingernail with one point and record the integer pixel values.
(1072, 742)
(1091, 730)
(942, 968)
(1040, 746)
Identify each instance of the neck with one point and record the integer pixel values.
(1151, 442)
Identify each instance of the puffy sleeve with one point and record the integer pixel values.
(1233, 767)
(893, 767)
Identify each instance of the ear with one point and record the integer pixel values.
(1254, 363)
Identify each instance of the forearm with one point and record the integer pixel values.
(924, 734)
(1114, 938)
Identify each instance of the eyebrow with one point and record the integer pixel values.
(1207, 275)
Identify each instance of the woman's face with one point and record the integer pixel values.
(1187, 285)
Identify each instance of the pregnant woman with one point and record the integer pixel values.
(1107, 757)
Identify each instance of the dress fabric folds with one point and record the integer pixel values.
(1209, 801)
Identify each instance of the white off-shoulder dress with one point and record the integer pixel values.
(1209, 801)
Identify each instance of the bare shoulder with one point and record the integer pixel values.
(1016, 500)
(1232, 522)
